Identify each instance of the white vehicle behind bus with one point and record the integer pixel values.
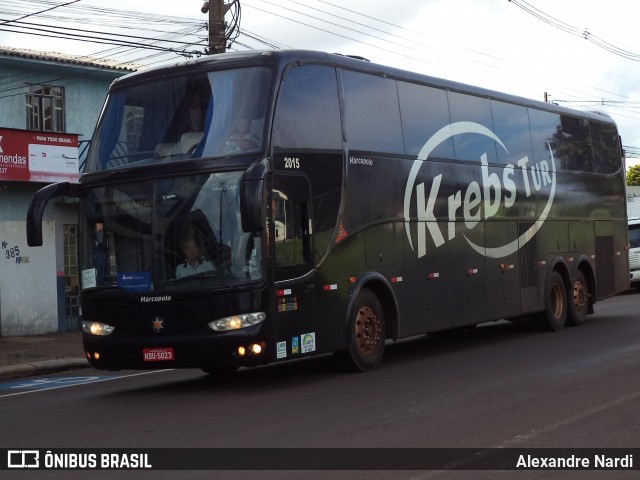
(633, 212)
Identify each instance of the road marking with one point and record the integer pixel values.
(46, 383)
(55, 383)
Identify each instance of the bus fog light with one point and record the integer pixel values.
(235, 322)
(256, 349)
(97, 328)
(242, 351)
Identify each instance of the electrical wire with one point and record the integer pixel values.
(584, 33)
(160, 40)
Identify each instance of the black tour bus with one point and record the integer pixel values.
(253, 207)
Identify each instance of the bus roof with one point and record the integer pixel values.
(281, 58)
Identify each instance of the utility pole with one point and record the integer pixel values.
(217, 38)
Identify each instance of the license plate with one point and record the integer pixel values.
(157, 354)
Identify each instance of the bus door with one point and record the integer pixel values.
(292, 237)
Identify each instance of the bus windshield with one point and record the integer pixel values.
(204, 114)
(167, 234)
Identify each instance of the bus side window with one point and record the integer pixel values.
(424, 111)
(577, 144)
(511, 125)
(546, 133)
(470, 108)
(372, 113)
(291, 226)
(606, 148)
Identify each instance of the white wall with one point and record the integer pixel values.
(28, 287)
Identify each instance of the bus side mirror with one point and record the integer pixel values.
(38, 204)
(252, 197)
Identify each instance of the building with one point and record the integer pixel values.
(49, 105)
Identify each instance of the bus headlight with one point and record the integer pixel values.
(97, 328)
(236, 322)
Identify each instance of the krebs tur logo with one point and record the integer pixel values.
(477, 200)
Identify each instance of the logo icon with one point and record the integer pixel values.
(23, 459)
(157, 324)
(481, 199)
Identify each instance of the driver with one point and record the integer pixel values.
(242, 138)
(193, 263)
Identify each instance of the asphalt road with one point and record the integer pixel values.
(497, 385)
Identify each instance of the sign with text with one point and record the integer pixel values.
(28, 156)
(300, 459)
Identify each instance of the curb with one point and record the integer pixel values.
(40, 368)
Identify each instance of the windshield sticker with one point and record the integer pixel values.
(480, 200)
(287, 304)
(281, 350)
(308, 342)
(89, 278)
(134, 281)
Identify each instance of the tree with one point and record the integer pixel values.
(633, 176)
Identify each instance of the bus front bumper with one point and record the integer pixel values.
(206, 352)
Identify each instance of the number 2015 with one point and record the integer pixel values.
(291, 162)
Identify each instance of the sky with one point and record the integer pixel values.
(583, 54)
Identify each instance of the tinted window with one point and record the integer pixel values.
(471, 146)
(425, 110)
(546, 136)
(308, 139)
(511, 125)
(372, 113)
(291, 221)
(181, 118)
(577, 144)
(606, 148)
(308, 112)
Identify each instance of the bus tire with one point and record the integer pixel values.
(366, 334)
(554, 315)
(578, 300)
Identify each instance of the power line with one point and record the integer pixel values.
(120, 22)
(69, 32)
(584, 33)
(336, 23)
(42, 11)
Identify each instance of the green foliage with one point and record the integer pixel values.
(633, 176)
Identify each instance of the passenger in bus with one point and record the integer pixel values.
(242, 138)
(193, 263)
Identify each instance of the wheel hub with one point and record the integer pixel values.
(580, 296)
(367, 330)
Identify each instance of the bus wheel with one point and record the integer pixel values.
(555, 306)
(366, 334)
(578, 301)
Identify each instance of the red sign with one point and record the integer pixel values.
(157, 354)
(28, 156)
